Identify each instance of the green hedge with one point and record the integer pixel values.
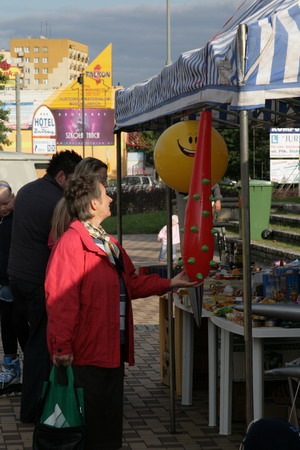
(140, 201)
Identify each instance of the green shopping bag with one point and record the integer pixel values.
(63, 405)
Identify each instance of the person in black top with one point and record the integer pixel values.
(28, 257)
(12, 329)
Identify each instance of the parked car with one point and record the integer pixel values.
(21, 168)
(227, 182)
(136, 182)
(112, 187)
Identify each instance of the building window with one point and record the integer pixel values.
(27, 70)
(45, 81)
(19, 60)
(27, 59)
(27, 80)
(45, 70)
(36, 49)
(26, 49)
(45, 60)
(36, 81)
(18, 49)
(36, 70)
(35, 60)
(45, 49)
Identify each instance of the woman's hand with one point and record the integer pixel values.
(62, 360)
(180, 280)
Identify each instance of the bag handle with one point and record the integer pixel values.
(70, 385)
(70, 376)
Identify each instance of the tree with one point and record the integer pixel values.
(259, 164)
(232, 139)
(4, 114)
(144, 142)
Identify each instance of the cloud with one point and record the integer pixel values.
(138, 33)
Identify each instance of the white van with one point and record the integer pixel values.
(20, 168)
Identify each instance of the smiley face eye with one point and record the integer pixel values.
(190, 139)
(196, 140)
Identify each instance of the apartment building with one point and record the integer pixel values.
(48, 63)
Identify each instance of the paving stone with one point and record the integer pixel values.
(147, 400)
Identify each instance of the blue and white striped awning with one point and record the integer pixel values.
(211, 75)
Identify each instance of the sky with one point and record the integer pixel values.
(136, 28)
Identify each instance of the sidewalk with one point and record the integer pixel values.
(147, 400)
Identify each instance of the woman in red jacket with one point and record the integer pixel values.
(90, 282)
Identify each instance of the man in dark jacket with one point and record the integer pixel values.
(14, 329)
(27, 263)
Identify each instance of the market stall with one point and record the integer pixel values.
(248, 76)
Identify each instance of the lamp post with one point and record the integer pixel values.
(168, 28)
(80, 80)
(18, 114)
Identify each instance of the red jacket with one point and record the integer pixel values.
(83, 300)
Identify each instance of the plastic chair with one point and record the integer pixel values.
(292, 374)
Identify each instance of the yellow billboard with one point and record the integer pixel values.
(10, 72)
(93, 88)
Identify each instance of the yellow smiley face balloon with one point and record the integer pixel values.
(174, 155)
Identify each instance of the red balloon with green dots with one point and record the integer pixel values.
(198, 238)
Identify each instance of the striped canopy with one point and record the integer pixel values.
(212, 75)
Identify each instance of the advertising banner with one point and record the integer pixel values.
(43, 131)
(10, 72)
(284, 142)
(95, 90)
(98, 126)
(27, 109)
(284, 170)
(44, 146)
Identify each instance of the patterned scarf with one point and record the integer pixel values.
(98, 232)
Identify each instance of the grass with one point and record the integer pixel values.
(285, 228)
(278, 244)
(284, 213)
(144, 223)
(272, 243)
(287, 200)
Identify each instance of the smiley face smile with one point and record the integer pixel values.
(185, 151)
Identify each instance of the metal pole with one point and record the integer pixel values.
(246, 263)
(170, 312)
(119, 189)
(254, 162)
(18, 115)
(168, 28)
(244, 144)
(83, 118)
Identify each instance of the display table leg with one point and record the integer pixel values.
(187, 358)
(258, 378)
(225, 382)
(212, 374)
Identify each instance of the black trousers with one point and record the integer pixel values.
(29, 301)
(103, 405)
(14, 328)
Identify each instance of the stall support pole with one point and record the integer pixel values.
(119, 188)
(246, 264)
(170, 312)
(245, 235)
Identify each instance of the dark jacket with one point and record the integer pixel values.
(29, 251)
(5, 238)
(216, 191)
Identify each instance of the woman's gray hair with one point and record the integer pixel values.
(79, 192)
